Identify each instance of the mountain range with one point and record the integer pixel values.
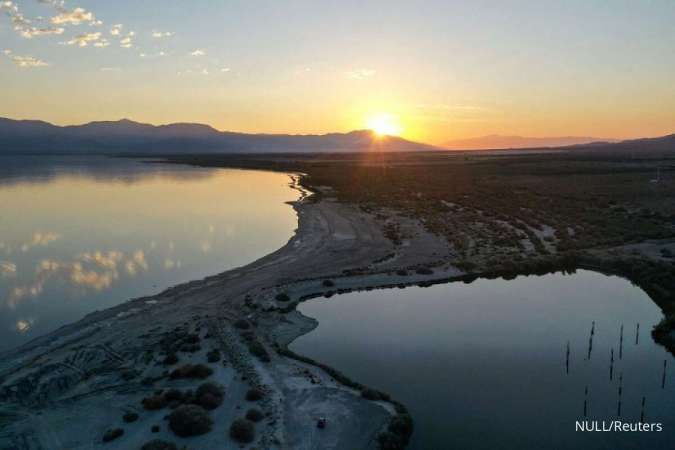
(126, 136)
(496, 141)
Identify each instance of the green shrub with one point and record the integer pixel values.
(190, 420)
(158, 444)
(130, 417)
(328, 283)
(253, 395)
(282, 297)
(154, 402)
(209, 395)
(112, 434)
(242, 430)
(192, 371)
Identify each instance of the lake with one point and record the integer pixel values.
(484, 365)
(79, 234)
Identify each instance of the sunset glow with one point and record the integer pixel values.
(384, 125)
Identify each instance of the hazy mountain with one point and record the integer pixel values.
(496, 141)
(126, 136)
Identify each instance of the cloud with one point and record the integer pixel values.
(152, 55)
(127, 41)
(40, 239)
(75, 17)
(102, 43)
(23, 25)
(7, 269)
(110, 69)
(360, 74)
(116, 29)
(23, 325)
(27, 61)
(198, 52)
(161, 34)
(82, 40)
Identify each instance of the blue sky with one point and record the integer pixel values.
(444, 69)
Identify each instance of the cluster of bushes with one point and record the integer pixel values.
(213, 355)
(242, 430)
(190, 420)
(398, 433)
(208, 395)
(158, 444)
(191, 371)
(255, 347)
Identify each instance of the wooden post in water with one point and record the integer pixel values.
(586, 401)
(618, 408)
(590, 341)
(611, 364)
(642, 410)
(621, 342)
(637, 333)
(567, 358)
(663, 377)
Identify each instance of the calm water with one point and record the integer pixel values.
(81, 234)
(482, 365)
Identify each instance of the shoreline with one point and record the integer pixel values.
(333, 241)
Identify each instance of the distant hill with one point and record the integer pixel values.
(495, 141)
(126, 136)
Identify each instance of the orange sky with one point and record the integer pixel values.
(446, 71)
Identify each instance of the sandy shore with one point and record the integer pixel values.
(66, 389)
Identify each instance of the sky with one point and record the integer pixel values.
(432, 70)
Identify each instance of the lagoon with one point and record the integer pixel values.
(484, 365)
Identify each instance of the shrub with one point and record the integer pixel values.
(424, 271)
(190, 420)
(154, 402)
(282, 297)
(155, 429)
(173, 395)
(242, 324)
(258, 350)
(401, 424)
(209, 395)
(213, 356)
(402, 273)
(158, 444)
(242, 430)
(389, 441)
(372, 394)
(328, 283)
(130, 417)
(170, 359)
(253, 395)
(192, 371)
(254, 415)
(112, 434)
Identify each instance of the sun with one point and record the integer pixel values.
(384, 125)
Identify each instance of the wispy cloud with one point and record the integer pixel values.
(74, 17)
(25, 61)
(82, 40)
(198, 52)
(127, 41)
(7, 269)
(25, 26)
(161, 34)
(116, 29)
(152, 55)
(360, 74)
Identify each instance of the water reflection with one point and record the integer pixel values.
(505, 364)
(80, 234)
